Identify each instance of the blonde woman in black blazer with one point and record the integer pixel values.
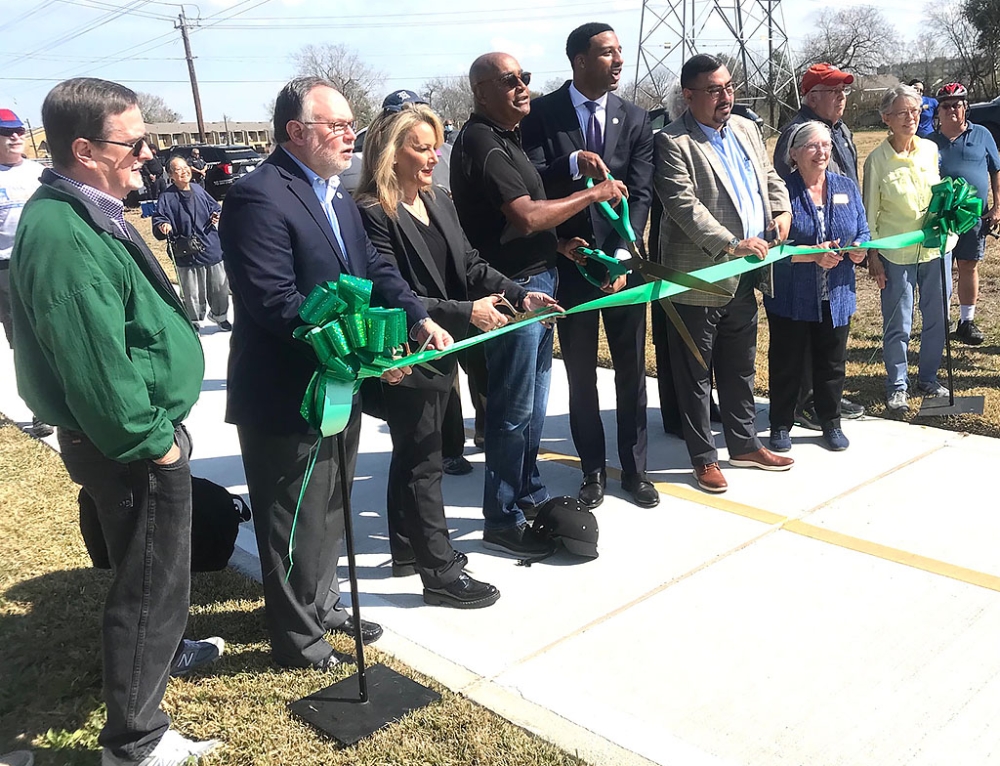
(417, 228)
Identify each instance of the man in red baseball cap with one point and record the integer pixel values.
(824, 91)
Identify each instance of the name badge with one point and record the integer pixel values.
(841, 199)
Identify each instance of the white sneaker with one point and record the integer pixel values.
(172, 750)
(933, 390)
(194, 654)
(898, 401)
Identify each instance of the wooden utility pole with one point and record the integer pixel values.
(182, 24)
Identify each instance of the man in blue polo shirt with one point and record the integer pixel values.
(968, 151)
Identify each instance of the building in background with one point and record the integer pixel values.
(167, 134)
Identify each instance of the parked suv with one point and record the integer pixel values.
(223, 164)
(987, 115)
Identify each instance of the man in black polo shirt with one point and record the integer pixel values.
(502, 206)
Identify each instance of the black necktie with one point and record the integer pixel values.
(595, 139)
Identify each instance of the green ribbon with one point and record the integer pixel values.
(351, 340)
(955, 207)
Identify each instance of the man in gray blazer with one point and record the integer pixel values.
(722, 200)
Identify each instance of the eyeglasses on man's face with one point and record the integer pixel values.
(951, 105)
(11, 132)
(837, 92)
(135, 147)
(336, 128)
(716, 91)
(511, 80)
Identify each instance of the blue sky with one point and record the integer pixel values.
(243, 47)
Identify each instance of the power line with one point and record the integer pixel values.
(99, 5)
(66, 37)
(26, 15)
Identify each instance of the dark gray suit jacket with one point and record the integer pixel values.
(700, 216)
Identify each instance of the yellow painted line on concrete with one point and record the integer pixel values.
(681, 492)
(933, 566)
(822, 534)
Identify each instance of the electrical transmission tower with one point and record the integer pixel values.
(749, 35)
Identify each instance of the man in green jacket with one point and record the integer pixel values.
(104, 351)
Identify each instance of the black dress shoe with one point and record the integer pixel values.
(408, 568)
(643, 493)
(456, 466)
(592, 488)
(463, 593)
(370, 631)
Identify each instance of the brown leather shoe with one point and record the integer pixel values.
(762, 458)
(710, 478)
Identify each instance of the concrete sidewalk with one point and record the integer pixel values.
(845, 612)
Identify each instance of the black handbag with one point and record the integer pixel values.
(187, 247)
(215, 522)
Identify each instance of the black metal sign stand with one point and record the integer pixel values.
(347, 713)
(953, 405)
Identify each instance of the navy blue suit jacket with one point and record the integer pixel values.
(551, 133)
(278, 246)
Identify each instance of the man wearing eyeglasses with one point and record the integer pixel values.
(18, 181)
(503, 208)
(105, 352)
(580, 131)
(286, 228)
(824, 91)
(721, 200)
(968, 151)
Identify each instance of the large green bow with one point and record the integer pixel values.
(955, 207)
(352, 341)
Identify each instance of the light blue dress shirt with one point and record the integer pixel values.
(324, 189)
(741, 172)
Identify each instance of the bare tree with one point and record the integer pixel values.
(450, 97)
(553, 84)
(984, 16)
(341, 65)
(859, 40)
(968, 62)
(155, 109)
(654, 90)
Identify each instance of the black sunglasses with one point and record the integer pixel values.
(136, 147)
(510, 80)
(8, 132)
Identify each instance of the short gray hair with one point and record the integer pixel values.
(290, 103)
(800, 135)
(898, 91)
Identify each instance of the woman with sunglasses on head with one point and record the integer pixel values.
(419, 231)
(898, 177)
(814, 295)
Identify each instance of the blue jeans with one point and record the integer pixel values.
(519, 366)
(897, 320)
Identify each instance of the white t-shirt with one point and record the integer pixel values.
(17, 184)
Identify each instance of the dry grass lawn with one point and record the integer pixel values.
(50, 663)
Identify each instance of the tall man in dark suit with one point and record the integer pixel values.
(721, 198)
(286, 228)
(581, 131)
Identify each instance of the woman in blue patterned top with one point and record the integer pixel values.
(814, 295)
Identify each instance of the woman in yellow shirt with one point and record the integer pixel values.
(898, 177)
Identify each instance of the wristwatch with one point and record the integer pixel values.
(731, 247)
